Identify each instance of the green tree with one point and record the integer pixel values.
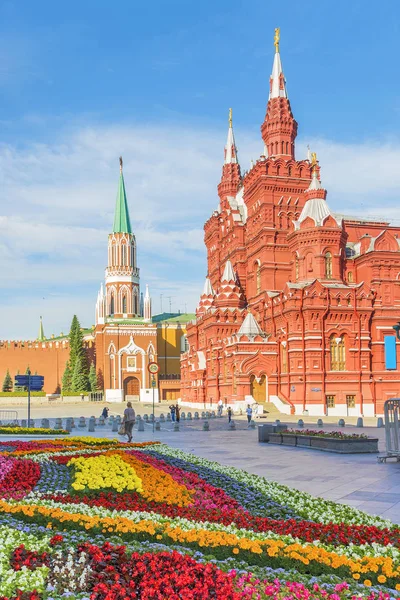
(93, 378)
(27, 370)
(80, 381)
(7, 383)
(66, 381)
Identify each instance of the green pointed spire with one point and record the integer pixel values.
(122, 223)
(41, 335)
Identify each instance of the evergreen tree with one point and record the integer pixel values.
(100, 380)
(77, 358)
(66, 381)
(27, 370)
(7, 383)
(80, 382)
(93, 378)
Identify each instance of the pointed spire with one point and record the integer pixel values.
(228, 274)
(250, 328)
(41, 335)
(208, 290)
(122, 223)
(277, 79)
(230, 148)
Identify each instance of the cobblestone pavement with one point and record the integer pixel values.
(357, 480)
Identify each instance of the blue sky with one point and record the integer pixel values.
(82, 82)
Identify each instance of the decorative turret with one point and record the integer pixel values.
(250, 328)
(279, 129)
(147, 305)
(41, 337)
(229, 293)
(122, 275)
(231, 177)
(206, 299)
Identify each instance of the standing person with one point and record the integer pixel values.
(105, 412)
(249, 413)
(129, 420)
(172, 410)
(220, 406)
(229, 414)
(177, 413)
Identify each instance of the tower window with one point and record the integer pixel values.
(112, 305)
(328, 265)
(350, 277)
(338, 353)
(296, 267)
(113, 256)
(258, 276)
(123, 255)
(124, 304)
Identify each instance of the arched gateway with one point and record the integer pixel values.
(131, 388)
(258, 388)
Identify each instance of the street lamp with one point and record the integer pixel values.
(397, 330)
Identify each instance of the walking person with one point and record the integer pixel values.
(129, 420)
(229, 414)
(172, 411)
(104, 414)
(177, 413)
(220, 407)
(249, 413)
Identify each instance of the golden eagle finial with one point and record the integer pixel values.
(314, 159)
(277, 37)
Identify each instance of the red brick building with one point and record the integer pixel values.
(299, 303)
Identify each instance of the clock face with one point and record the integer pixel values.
(153, 368)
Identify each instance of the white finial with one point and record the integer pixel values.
(277, 80)
(230, 148)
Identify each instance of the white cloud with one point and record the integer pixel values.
(57, 203)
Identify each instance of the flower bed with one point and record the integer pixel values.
(15, 430)
(334, 441)
(102, 520)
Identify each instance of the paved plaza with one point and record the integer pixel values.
(356, 480)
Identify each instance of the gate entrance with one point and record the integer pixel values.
(258, 389)
(132, 388)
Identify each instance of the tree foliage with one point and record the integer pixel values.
(7, 383)
(75, 378)
(93, 378)
(67, 378)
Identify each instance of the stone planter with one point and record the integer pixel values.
(346, 446)
(275, 438)
(266, 429)
(289, 439)
(304, 440)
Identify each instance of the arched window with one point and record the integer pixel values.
(132, 256)
(328, 265)
(135, 303)
(112, 306)
(296, 267)
(338, 353)
(113, 256)
(350, 277)
(123, 255)
(124, 304)
(257, 266)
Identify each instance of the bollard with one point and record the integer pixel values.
(360, 422)
(92, 423)
(140, 425)
(45, 424)
(31, 423)
(203, 415)
(73, 426)
(95, 420)
(252, 425)
(207, 415)
(168, 416)
(82, 422)
(380, 422)
(101, 421)
(158, 427)
(119, 419)
(320, 423)
(58, 424)
(232, 426)
(145, 417)
(196, 415)
(189, 416)
(151, 418)
(206, 426)
(341, 423)
(115, 426)
(23, 423)
(300, 423)
(68, 425)
(213, 414)
(176, 426)
(183, 416)
(277, 422)
(162, 418)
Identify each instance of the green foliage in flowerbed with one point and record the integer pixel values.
(326, 434)
(15, 430)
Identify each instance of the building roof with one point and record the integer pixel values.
(41, 335)
(208, 289)
(250, 327)
(230, 148)
(228, 274)
(277, 75)
(122, 223)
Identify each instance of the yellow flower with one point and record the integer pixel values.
(381, 578)
(367, 582)
(235, 551)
